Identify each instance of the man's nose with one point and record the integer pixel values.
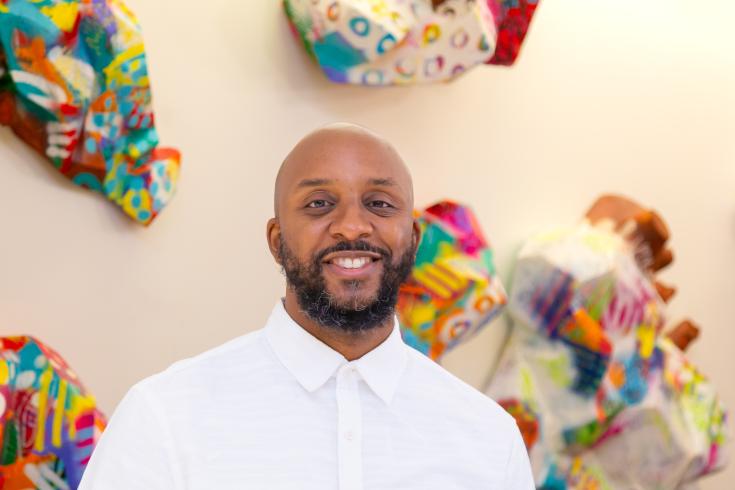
(351, 223)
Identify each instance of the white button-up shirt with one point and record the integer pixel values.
(279, 409)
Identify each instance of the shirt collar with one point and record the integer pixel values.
(313, 362)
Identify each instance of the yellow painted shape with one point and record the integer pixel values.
(447, 275)
(113, 71)
(59, 413)
(4, 371)
(43, 394)
(437, 288)
(4, 9)
(145, 202)
(421, 314)
(647, 339)
(64, 15)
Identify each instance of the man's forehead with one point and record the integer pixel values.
(342, 154)
(351, 154)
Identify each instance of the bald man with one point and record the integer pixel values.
(326, 395)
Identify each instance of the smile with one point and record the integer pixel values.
(352, 263)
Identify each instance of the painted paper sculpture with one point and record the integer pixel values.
(49, 424)
(74, 85)
(453, 290)
(398, 42)
(604, 399)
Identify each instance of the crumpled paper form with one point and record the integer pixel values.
(398, 42)
(74, 85)
(49, 423)
(602, 397)
(453, 290)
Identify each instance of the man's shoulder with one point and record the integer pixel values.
(450, 393)
(243, 353)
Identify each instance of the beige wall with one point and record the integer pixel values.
(629, 96)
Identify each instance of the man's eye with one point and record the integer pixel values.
(380, 204)
(318, 203)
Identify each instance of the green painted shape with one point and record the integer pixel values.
(433, 237)
(11, 444)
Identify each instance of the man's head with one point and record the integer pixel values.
(343, 230)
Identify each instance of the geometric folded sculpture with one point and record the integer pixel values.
(74, 86)
(398, 42)
(453, 290)
(603, 397)
(49, 424)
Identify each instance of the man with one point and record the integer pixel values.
(326, 396)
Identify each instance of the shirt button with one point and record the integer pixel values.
(349, 436)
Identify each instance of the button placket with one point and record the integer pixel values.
(349, 441)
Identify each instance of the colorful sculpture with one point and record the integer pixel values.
(397, 42)
(604, 399)
(453, 290)
(49, 424)
(74, 85)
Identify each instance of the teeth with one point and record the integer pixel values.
(348, 263)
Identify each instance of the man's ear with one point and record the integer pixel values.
(416, 236)
(273, 235)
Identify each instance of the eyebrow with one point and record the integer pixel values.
(383, 182)
(314, 182)
(320, 182)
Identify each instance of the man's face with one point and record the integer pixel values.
(347, 234)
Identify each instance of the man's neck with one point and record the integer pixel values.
(352, 345)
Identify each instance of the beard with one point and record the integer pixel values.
(357, 314)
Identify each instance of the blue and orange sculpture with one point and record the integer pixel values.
(74, 85)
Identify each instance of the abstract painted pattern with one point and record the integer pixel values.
(453, 290)
(398, 42)
(74, 85)
(49, 424)
(603, 399)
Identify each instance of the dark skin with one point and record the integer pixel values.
(340, 184)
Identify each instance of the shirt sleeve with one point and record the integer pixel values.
(134, 451)
(518, 474)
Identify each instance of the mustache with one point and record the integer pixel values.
(356, 246)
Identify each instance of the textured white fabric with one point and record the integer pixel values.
(278, 409)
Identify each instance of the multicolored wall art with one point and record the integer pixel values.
(49, 424)
(398, 42)
(604, 398)
(453, 290)
(74, 85)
